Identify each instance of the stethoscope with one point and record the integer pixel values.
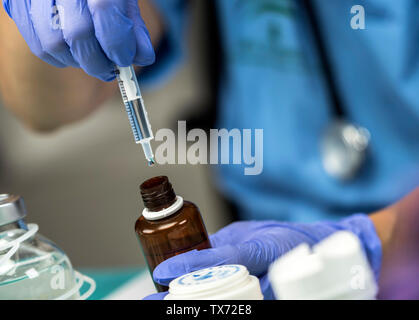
(344, 145)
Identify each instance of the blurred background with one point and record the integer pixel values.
(81, 183)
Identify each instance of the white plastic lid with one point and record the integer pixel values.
(156, 215)
(227, 282)
(336, 268)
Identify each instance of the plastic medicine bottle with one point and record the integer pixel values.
(334, 269)
(226, 282)
(169, 225)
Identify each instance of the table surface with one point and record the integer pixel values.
(111, 279)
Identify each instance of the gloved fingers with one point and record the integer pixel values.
(114, 30)
(192, 261)
(79, 33)
(144, 53)
(47, 23)
(6, 6)
(20, 13)
(234, 233)
(256, 254)
(230, 234)
(217, 241)
(156, 296)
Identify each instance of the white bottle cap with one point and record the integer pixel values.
(227, 282)
(336, 268)
(156, 215)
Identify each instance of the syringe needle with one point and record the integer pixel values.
(137, 114)
(148, 152)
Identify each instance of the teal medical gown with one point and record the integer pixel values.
(273, 80)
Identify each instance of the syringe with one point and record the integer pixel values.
(137, 114)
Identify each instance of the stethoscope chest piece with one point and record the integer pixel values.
(343, 148)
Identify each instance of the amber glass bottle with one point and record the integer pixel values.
(169, 225)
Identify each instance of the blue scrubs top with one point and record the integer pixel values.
(273, 80)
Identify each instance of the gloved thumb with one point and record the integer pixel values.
(255, 255)
(156, 296)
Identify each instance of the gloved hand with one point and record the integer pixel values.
(256, 244)
(91, 34)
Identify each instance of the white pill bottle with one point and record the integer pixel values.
(227, 282)
(334, 269)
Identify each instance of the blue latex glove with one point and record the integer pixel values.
(91, 34)
(256, 244)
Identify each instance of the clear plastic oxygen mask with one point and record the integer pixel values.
(137, 114)
(31, 266)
